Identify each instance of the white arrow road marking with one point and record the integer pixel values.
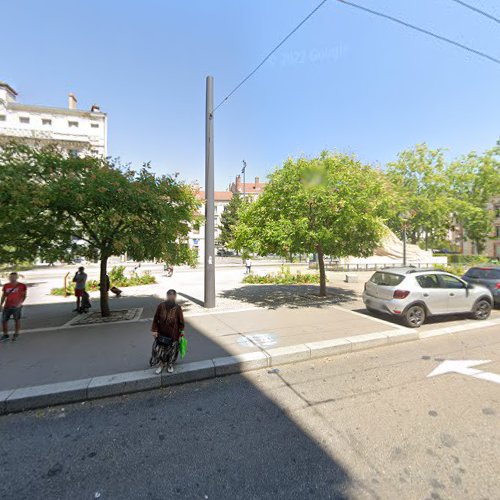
(464, 367)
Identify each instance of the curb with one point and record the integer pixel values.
(28, 398)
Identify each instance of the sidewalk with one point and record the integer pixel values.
(63, 354)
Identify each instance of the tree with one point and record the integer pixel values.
(421, 180)
(58, 205)
(475, 181)
(330, 205)
(229, 220)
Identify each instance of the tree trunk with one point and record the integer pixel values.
(426, 241)
(103, 288)
(322, 275)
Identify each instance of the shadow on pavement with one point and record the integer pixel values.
(292, 296)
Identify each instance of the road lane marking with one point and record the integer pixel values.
(464, 367)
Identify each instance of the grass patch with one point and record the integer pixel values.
(283, 277)
(117, 278)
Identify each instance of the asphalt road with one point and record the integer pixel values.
(365, 425)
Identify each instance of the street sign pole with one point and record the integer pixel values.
(209, 298)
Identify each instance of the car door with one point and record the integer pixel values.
(434, 296)
(458, 294)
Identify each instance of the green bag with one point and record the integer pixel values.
(183, 343)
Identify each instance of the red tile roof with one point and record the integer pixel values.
(219, 195)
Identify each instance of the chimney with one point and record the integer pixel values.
(95, 108)
(72, 101)
(238, 182)
(257, 182)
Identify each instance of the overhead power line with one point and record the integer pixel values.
(422, 30)
(479, 11)
(270, 54)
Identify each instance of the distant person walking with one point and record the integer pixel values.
(13, 297)
(109, 288)
(167, 329)
(80, 281)
(248, 265)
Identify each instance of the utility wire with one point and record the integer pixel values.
(270, 54)
(421, 30)
(479, 11)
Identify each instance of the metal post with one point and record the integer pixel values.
(243, 170)
(209, 299)
(404, 244)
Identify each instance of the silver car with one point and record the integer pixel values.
(413, 294)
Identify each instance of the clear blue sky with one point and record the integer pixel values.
(345, 81)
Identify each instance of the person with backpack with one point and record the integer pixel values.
(167, 329)
(13, 297)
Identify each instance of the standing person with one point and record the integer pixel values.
(13, 297)
(80, 281)
(167, 329)
(248, 265)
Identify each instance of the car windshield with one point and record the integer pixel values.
(483, 273)
(386, 279)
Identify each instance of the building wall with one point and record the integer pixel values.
(492, 244)
(74, 130)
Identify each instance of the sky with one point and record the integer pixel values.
(345, 81)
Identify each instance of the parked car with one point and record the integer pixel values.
(414, 294)
(488, 276)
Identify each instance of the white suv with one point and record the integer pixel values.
(412, 294)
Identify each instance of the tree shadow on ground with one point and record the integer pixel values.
(292, 296)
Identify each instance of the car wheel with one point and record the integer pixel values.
(481, 310)
(414, 316)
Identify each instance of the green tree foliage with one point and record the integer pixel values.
(55, 206)
(423, 189)
(229, 220)
(330, 205)
(475, 181)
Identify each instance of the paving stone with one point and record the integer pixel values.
(123, 383)
(367, 340)
(4, 395)
(331, 347)
(241, 363)
(291, 354)
(189, 372)
(45, 395)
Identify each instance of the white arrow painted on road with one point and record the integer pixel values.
(464, 367)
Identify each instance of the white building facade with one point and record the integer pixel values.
(75, 131)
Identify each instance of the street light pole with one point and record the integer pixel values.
(404, 243)
(209, 297)
(243, 171)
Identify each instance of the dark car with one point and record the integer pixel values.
(488, 276)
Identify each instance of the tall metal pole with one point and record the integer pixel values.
(209, 299)
(404, 244)
(244, 169)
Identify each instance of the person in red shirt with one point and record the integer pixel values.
(13, 297)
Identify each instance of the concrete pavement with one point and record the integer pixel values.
(365, 425)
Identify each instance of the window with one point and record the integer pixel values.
(450, 281)
(497, 231)
(2, 118)
(24, 119)
(72, 124)
(73, 152)
(386, 279)
(428, 281)
(46, 121)
(94, 125)
(497, 211)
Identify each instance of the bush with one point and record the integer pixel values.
(455, 269)
(282, 277)
(116, 277)
(467, 260)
